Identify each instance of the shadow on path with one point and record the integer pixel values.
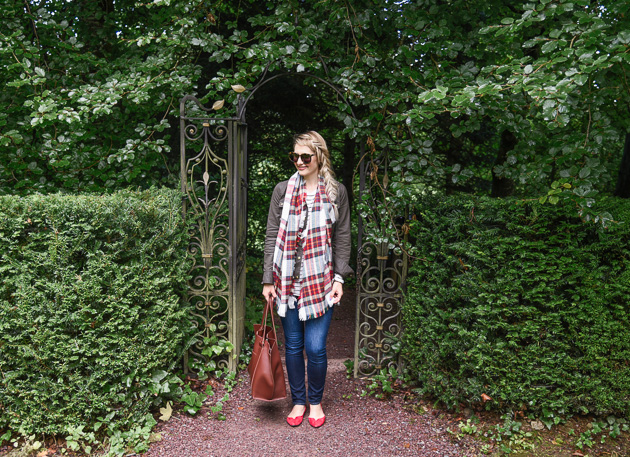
(355, 425)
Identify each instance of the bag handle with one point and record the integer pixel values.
(268, 306)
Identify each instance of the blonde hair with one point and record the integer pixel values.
(317, 144)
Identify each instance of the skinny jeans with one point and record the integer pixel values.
(309, 335)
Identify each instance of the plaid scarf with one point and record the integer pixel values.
(317, 251)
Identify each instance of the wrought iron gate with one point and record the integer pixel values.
(381, 275)
(214, 184)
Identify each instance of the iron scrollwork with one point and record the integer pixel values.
(207, 207)
(381, 275)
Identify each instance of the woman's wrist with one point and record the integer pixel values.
(338, 278)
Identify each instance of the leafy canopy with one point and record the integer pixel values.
(91, 88)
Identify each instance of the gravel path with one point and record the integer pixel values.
(355, 425)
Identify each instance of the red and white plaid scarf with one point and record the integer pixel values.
(317, 251)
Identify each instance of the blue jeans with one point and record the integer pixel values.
(310, 335)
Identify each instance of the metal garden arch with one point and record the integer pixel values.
(213, 164)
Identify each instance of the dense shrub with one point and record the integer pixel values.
(91, 318)
(523, 302)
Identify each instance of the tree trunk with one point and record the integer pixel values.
(623, 179)
(503, 187)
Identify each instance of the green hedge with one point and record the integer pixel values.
(91, 318)
(523, 302)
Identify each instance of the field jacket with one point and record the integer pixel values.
(341, 242)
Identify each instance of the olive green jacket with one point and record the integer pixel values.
(341, 242)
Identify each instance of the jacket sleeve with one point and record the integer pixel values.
(273, 222)
(341, 242)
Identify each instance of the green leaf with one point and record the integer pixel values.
(549, 47)
(580, 79)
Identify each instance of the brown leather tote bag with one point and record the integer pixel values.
(265, 367)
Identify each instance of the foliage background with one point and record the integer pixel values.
(503, 98)
(522, 302)
(92, 325)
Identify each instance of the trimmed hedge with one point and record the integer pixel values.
(91, 318)
(523, 302)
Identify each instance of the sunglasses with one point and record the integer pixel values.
(306, 158)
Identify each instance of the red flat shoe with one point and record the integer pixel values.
(295, 421)
(317, 422)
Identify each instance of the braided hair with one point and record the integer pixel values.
(317, 144)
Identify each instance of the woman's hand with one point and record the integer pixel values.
(336, 293)
(269, 290)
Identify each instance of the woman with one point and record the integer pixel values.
(307, 249)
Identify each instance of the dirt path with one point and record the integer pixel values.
(355, 425)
